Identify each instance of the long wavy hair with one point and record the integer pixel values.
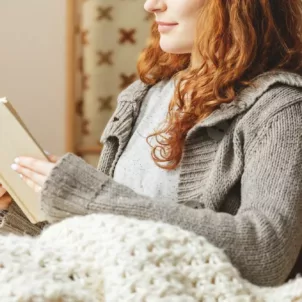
(235, 41)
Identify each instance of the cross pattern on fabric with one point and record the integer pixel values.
(127, 80)
(106, 103)
(149, 17)
(105, 57)
(127, 35)
(109, 36)
(105, 13)
(85, 125)
(79, 107)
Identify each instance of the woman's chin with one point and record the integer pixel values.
(173, 48)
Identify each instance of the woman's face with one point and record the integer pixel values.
(176, 23)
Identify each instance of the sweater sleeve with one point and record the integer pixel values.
(14, 221)
(262, 240)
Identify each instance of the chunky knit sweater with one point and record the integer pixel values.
(111, 258)
(240, 180)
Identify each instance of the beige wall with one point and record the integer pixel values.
(32, 66)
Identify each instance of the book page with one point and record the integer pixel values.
(16, 140)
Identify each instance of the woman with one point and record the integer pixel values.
(221, 84)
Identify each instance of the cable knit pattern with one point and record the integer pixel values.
(110, 258)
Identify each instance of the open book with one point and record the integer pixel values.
(16, 140)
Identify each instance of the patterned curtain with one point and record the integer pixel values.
(110, 34)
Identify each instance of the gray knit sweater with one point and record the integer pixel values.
(241, 187)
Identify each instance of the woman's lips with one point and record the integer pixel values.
(165, 27)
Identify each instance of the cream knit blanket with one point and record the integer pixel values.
(111, 258)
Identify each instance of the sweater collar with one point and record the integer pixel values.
(131, 98)
(242, 102)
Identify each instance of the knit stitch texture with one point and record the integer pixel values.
(110, 258)
(240, 183)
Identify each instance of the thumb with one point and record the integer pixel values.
(51, 157)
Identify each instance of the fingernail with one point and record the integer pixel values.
(14, 167)
(47, 152)
(21, 176)
(17, 160)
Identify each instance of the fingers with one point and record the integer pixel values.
(2, 186)
(53, 158)
(34, 171)
(32, 178)
(2, 191)
(5, 201)
(35, 186)
(39, 166)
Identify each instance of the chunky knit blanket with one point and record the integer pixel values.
(111, 258)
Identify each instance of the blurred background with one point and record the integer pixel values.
(63, 64)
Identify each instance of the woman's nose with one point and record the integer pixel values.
(153, 6)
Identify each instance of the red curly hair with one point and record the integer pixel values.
(235, 41)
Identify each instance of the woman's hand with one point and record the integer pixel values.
(5, 199)
(34, 171)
